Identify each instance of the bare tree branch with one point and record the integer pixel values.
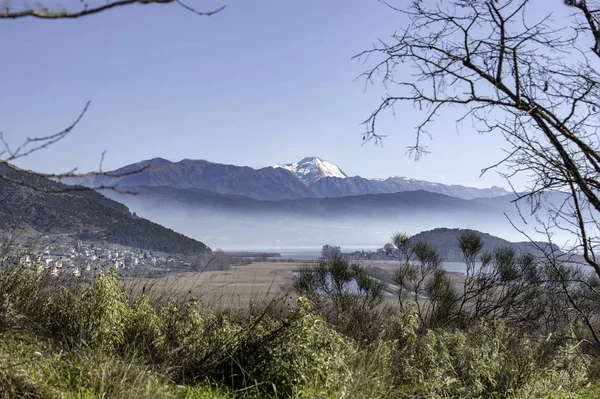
(46, 13)
(22, 177)
(15, 175)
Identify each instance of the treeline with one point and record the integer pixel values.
(443, 242)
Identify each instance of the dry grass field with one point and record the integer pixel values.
(236, 286)
(239, 285)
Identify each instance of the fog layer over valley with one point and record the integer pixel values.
(360, 221)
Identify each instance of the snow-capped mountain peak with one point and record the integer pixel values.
(312, 169)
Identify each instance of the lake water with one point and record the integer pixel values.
(352, 286)
(314, 253)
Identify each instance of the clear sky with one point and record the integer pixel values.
(263, 82)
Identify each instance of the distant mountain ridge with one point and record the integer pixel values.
(334, 187)
(310, 177)
(265, 183)
(362, 205)
(328, 180)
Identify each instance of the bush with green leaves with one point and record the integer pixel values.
(94, 316)
(144, 331)
(308, 353)
(486, 360)
(198, 342)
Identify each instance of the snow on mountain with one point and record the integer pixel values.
(312, 169)
(325, 179)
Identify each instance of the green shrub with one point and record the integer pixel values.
(484, 361)
(94, 316)
(308, 353)
(21, 290)
(107, 308)
(144, 330)
(187, 328)
(197, 342)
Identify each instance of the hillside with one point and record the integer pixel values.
(85, 214)
(445, 242)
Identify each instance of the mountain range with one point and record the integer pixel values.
(310, 177)
(304, 203)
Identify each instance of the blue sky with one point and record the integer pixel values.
(262, 82)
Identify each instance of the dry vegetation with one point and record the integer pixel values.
(258, 331)
(235, 287)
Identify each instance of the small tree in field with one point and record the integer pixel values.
(330, 252)
(344, 294)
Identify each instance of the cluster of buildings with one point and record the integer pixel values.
(379, 254)
(77, 259)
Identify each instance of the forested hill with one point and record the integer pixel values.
(85, 213)
(445, 242)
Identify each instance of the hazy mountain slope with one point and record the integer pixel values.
(335, 187)
(356, 185)
(86, 214)
(266, 183)
(361, 205)
(240, 222)
(405, 184)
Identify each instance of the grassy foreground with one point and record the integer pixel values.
(97, 341)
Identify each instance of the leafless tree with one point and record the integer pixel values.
(533, 80)
(11, 154)
(536, 82)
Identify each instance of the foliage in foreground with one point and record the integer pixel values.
(95, 340)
